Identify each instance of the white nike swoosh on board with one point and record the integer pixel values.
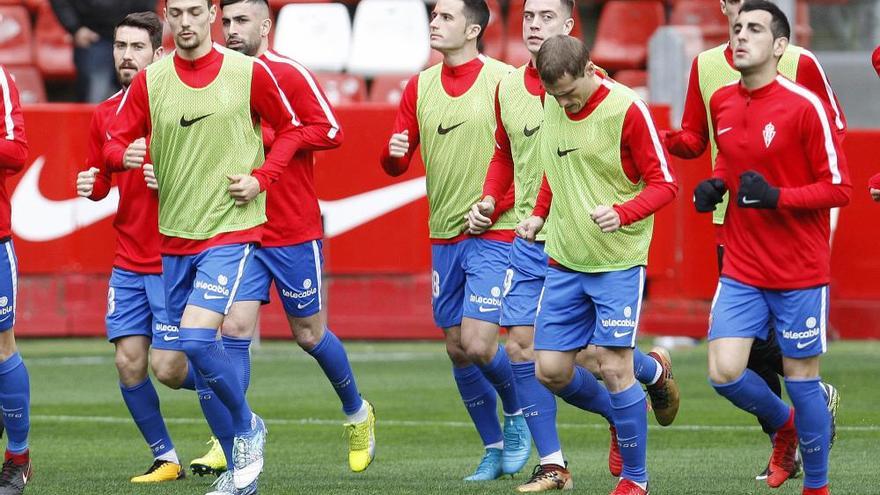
(36, 218)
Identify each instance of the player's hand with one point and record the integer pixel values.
(243, 188)
(150, 177)
(755, 192)
(529, 228)
(874, 181)
(606, 218)
(708, 194)
(875, 194)
(135, 154)
(85, 182)
(84, 37)
(480, 217)
(399, 144)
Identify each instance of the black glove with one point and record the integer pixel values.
(755, 192)
(709, 193)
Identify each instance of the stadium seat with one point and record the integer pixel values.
(493, 41)
(388, 89)
(54, 46)
(277, 5)
(389, 37)
(316, 35)
(516, 52)
(342, 88)
(802, 30)
(634, 79)
(623, 32)
(16, 47)
(29, 82)
(706, 15)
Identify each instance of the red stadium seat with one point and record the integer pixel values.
(632, 78)
(16, 47)
(388, 89)
(493, 38)
(29, 82)
(802, 30)
(516, 52)
(624, 29)
(342, 88)
(706, 15)
(54, 46)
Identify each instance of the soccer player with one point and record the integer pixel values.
(448, 109)
(781, 159)
(290, 254)
(606, 173)
(136, 318)
(710, 71)
(874, 187)
(15, 392)
(202, 110)
(518, 105)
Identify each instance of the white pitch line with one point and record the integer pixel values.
(412, 423)
(294, 356)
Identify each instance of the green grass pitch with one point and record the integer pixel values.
(83, 441)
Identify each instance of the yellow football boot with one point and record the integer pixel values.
(161, 471)
(214, 462)
(362, 441)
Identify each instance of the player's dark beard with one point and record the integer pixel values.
(245, 47)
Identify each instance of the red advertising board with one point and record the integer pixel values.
(377, 252)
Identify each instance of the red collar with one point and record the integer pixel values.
(464, 69)
(761, 92)
(595, 99)
(200, 63)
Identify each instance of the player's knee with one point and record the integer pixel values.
(307, 333)
(721, 373)
(193, 347)
(456, 354)
(132, 369)
(552, 377)
(614, 367)
(519, 350)
(480, 352)
(170, 376)
(235, 327)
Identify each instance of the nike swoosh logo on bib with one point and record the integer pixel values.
(186, 123)
(446, 130)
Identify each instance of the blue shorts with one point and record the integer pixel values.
(523, 283)
(8, 285)
(136, 306)
(296, 271)
(800, 316)
(209, 279)
(577, 309)
(466, 280)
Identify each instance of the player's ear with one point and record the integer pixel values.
(212, 13)
(723, 7)
(472, 32)
(567, 26)
(779, 46)
(265, 27)
(158, 53)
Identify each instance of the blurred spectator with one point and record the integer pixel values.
(876, 59)
(91, 23)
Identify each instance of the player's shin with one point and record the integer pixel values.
(15, 397)
(751, 394)
(500, 375)
(813, 423)
(539, 409)
(628, 411)
(215, 365)
(143, 404)
(333, 360)
(218, 417)
(479, 400)
(239, 350)
(585, 392)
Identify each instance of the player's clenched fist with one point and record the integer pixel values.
(529, 228)
(756, 192)
(480, 217)
(708, 194)
(399, 144)
(150, 177)
(243, 188)
(135, 154)
(85, 182)
(874, 183)
(606, 218)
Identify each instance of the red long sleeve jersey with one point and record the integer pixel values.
(137, 216)
(782, 132)
(692, 139)
(267, 105)
(13, 145)
(456, 81)
(643, 158)
(292, 204)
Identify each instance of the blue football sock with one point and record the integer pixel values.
(218, 417)
(239, 351)
(143, 404)
(644, 366)
(331, 357)
(585, 392)
(15, 395)
(628, 410)
(813, 423)
(500, 375)
(479, 399)
(189, 382)
(750, 393)
(539, 408)
(215, 366)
